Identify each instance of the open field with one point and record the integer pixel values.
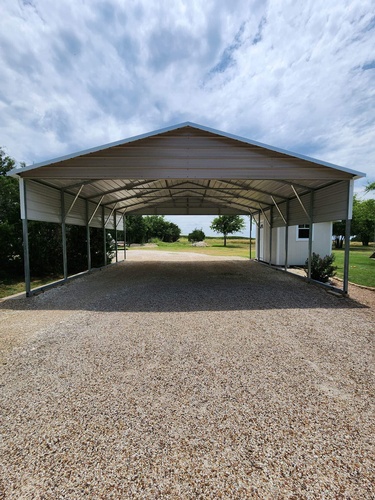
(238, 247)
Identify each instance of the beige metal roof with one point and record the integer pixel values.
(193, 170)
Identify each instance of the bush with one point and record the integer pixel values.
(196, 235)
(322, 269)
(171, 233)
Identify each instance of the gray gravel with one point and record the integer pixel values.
(209, 378)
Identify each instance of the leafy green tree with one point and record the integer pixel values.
(45, 240)
(155, 226)
(370, 187)
(171, 232)
(135, 229)
(196, 235)
(363, 223)
(227, 224)
(158, 227)
(11, 251)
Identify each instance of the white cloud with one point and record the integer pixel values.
(299, 76)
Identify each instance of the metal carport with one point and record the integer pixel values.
(187, 169)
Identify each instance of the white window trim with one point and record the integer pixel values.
(304, 239)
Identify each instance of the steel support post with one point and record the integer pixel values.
(25, 233)
(26, 256)
(124, 237)
(258, 239)
(270, 228)
(310, 233)
(115, 226)
(88, 237)
(251, 223)
(104, 239)
(286, 235)
(63, 237)
(349, 215)
(346, 256)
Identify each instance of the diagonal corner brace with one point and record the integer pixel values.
(278, 209)
(300, 202)
(95, 210)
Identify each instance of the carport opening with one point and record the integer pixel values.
(191, 170)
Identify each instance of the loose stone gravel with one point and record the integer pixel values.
(203, 378)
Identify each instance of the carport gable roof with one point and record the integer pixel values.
(186, 169)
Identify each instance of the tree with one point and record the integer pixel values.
(227, 224)
(370, 187)
(135, 229)
(158, 227)
(171, 232)
(363, 223)
(196, 235)
(45, 239)
(11, 252)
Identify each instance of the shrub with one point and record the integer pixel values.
(196, 235)
(322, 268)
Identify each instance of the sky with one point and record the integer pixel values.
(299, 76)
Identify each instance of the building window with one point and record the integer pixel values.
(303, 232)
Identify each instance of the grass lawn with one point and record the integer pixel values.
(236, 247)
(10, 286)
(361, 267)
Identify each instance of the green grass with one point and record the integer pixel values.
(361, 267)
(236, 247)
(11, 286)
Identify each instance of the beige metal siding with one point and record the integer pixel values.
(44, 204)
(331, 203)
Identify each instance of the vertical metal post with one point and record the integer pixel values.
(258, 239)
(104, 238)
(124, 237)
(115, 226)
(346, 256)
(63, 237)
(286, 236)
(88, 237)
(349, 212)
(251, 223)
(310, 233)
(270, 228)
(25, 231)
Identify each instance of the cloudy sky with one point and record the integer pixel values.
(300, 76)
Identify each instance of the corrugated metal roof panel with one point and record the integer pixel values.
(185, 167)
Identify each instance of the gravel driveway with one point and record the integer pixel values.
(187, 377)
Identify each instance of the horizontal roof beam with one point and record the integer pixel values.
(256, 190)
(122, 188)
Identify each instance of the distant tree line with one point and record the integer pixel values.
(143, 229)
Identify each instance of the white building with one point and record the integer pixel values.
(297, 245)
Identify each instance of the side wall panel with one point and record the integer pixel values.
(44, 204)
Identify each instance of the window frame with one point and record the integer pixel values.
(303, 227)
